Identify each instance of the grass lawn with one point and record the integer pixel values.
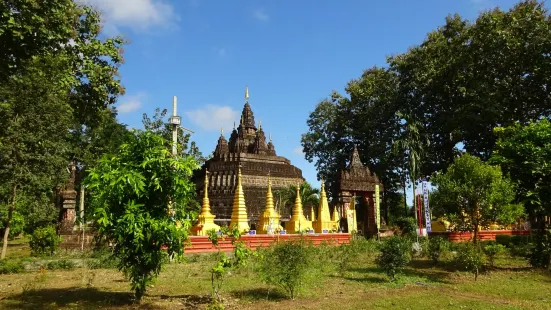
(512, 285)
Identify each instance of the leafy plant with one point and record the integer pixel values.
(540, 254)
(287, 265)
(44, 241)
(407, 226)
(394, 256)
(470, 257)
(491, 251)
(224, 264)
(62, 264)
(436, 247)
(131, 193)
(8, 266)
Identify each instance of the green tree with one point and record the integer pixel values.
(33, 135)
(473, 194)
(131, 192)
(524, 153)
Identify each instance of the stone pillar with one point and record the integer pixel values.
(370, 226)
(68, 201)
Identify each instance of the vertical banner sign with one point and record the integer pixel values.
(426, 203)
(351, 216)
(377, 208)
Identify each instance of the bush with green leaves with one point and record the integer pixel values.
(8, 266)
(469, 257)
(394, 256)
(44, 241)
(288, 265)
(492, 250)
(504, 240)
(62, 264)
(540, 253)
(407, 226)
(436, 247)
(139, 201)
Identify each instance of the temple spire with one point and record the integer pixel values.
(239, 211)
(246, 93)
(298, 221)
(221, 131)
(324, 222)
(206, 218)
(269, 219)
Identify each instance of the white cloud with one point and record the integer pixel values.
(213, 117)
(298, 150)
(261, 15)
(136, 14)
(130, 104)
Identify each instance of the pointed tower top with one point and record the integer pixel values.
(221, 131)
(259, 125)
(246, 93)
(233, 125)
(355, 160)
(270, 137)
(206, 188)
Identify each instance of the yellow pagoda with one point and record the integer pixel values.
(239, 210)
(324, 220)
(206, 219)
(298, 221)
(269, 220)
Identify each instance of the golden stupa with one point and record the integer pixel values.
(239, 210)
(206, 219)
(298, 222)
(269, 219)
(324, 220)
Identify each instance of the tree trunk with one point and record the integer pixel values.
(405, 199)
(10, 215)
(414, 201)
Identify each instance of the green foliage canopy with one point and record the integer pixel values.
(131, 192)
(473, 193)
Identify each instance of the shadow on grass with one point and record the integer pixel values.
(189, 301)
(260, 294)
(88, 298)
(433, 274)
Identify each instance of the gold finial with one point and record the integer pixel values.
(206, 183)
(259, 125)
(246, 93)
(233, 125)
(270, 137)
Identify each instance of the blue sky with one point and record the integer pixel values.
(291, 54)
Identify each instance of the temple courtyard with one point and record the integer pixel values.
(512, 284)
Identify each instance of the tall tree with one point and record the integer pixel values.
(472, 194)
(524, 153)
(131, 192)
(34, 136)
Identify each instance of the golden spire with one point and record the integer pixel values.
(270, 137)
(269, 219)
(246, 93)
(239, 210)
(233, 125)
(259, 125)
(205, 219)
(221, 131)
(324, 220)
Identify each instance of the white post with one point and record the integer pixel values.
(174, 128)
(82, 215)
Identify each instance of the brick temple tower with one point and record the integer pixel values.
(246, 147)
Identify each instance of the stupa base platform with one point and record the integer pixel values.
(201, 244)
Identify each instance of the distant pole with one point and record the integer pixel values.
(82, 215)
(174, 126)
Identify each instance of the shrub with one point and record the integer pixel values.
(540, 254)
(491, 251)
(62, 264)
(394, 256)
(407, 226)
(8, 266)
(44, 241)
(436, 247)
(470, 258)
(504, 240)
(287, 265)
